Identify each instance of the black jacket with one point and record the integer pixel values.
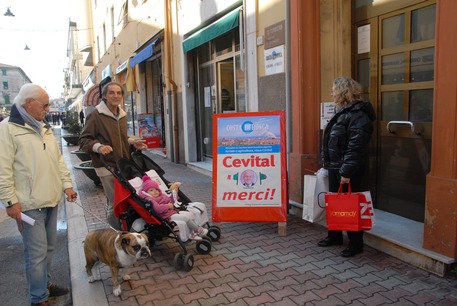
(346, 138)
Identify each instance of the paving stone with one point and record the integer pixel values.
(348, 297)
(237, 295)
(252, 265)
(376, 299)
(390, 283)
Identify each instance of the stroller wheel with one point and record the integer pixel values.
(188, 263)
(214, 233)
(204, 246)
(178, 261)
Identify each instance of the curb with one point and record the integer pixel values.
(83, 292)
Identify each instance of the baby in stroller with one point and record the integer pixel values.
(164, 205)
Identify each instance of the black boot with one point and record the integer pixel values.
(330, 241)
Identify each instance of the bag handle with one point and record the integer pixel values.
(318, 198)
(340, 189)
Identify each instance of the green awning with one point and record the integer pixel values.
(219, 27)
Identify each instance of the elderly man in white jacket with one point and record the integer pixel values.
(33, 177)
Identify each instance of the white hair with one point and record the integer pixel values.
(27, 91)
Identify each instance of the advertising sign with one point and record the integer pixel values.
(148, 130)
(274, 60)
(249, 167)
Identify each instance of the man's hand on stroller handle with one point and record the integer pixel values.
(104, 149)
(139, 144)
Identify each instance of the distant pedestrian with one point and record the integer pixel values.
(81, 117)
(33, 176)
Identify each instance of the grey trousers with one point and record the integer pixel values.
(108, 187)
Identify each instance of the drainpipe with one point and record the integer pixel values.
(171, 85)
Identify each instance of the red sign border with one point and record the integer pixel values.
(252, 214)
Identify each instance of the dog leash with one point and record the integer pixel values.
(96, 217)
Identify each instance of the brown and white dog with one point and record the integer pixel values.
(117, 250)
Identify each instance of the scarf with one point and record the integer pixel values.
(35, 124)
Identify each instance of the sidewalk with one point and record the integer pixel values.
(250, 265)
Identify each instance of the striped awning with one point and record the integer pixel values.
(92, 96)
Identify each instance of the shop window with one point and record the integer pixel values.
(422, 65)
(240, 89)
(393, 69)
(364, 72)
(204, 54)
(392, 106)
(423, 23)
(393, 33)
(223, 44)
(421, 105)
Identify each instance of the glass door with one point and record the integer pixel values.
(208, 107)
(405, 79)
(226, 87)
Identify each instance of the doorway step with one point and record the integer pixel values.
(403, 238)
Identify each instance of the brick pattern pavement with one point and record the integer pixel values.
(252, 265)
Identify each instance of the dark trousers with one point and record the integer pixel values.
(334, 179)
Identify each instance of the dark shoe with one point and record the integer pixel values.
(350, 251)
(329, 242)
(44, 303)
(55, 290)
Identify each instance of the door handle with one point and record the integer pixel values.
(402, 122)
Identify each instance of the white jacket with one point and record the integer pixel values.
(32, 169)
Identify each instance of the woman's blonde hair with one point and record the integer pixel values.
(345, 90)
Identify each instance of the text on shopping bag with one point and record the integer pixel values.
(348, 211)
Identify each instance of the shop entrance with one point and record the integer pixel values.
(217, 86)
(399, 79)
(220, 86)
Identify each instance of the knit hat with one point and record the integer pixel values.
(148, 184)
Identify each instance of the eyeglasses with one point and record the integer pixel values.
(44, 105)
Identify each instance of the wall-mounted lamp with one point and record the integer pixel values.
(8, 13)
(26, 47)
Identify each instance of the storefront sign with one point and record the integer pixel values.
(249, 167)
(122, 67)
(274, 60)
(275, 35)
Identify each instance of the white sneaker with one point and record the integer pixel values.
(195, 236)
(202, 231)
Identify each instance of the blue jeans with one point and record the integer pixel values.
(39, 244)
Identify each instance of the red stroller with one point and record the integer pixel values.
(137, 214)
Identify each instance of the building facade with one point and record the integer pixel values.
(11, 79)
(181, 62)
(397, 50)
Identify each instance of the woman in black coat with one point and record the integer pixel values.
(345, 150)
